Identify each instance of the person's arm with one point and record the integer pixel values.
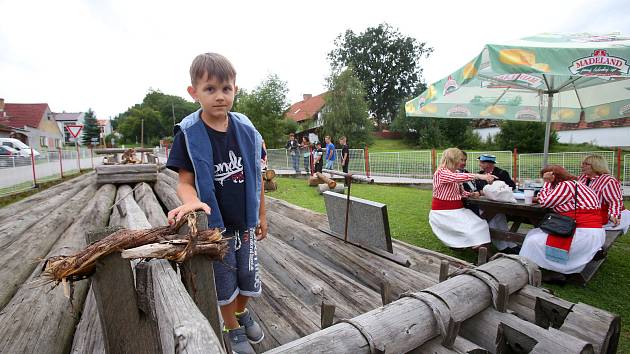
(550, 196)
(188, 194)
(261, 230)
(344, 158)
(505, 177)
(612, 195)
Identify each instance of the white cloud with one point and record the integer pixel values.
(106, 54)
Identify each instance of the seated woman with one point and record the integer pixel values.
(596, 175)
(454, 225)
(571, 254)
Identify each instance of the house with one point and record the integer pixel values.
(65, 118)
(308, 113)
(33, 124)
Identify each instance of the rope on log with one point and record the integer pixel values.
(82, 264)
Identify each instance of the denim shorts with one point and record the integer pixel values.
(239, 272)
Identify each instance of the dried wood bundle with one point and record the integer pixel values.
(83, 264)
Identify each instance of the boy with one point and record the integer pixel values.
(292, 146)
(318, 160)
(217, 154)
(331, 154)
(345, 154)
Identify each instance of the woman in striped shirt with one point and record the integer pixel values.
(596, 175)
(566, 254)
(454, 225)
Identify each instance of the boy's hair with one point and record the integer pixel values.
(214, 64)
(319, 143)
(343, 138)
(291, 134)
(327, 137)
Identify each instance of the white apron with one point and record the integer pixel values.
(586, 242)
(459, 228)
(624, 223)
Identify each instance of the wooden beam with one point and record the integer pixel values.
(167, 195)
(122, 178)
(125, 169)
(327, 315)
(119, 150)
(149, 204)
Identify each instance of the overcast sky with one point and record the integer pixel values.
(106, 55)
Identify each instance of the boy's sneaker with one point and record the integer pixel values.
(252, 328)
(238, 341)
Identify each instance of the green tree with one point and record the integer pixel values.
(131, 126)
(526, 136)
(386, 62)
(90, 128)
(265, 106)
(346, 111)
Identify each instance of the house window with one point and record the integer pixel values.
(42, 141)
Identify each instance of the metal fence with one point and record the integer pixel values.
(529, 165)
(18, 173)
(626, 170)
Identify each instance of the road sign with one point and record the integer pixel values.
(74, 130)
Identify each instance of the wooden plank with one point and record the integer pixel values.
(88, 337)
(119, 150)
(182, 327)
(167, 195)
(127, 178)
(398, 259)
(593, 266)
(125, 169)
(149, 204)
(461, 345)
(40, 318)
(19, 258)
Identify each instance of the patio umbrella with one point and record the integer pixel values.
(548, 77)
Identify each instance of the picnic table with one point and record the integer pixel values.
(518, 212)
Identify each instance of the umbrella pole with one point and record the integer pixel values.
(547, 127)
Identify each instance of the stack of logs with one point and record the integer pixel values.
(325, 183)
(311, 280)
(269, 184)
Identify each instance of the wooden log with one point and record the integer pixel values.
(37, 318)
(598, 327)
(122, 178)
(339, 188)
(181, 324)
(408, 323)
(168, 179)
(20, 257)
(314, 181)
(10, 211)
(329, 181)
(13, 228)
(88, 337)
(270, 185)
(125, 169)
(149, 204)
(119, 150)
(354, 262)
(167, 195)
(171, 173)
(522, 336)
(461, 345)
(269, 175)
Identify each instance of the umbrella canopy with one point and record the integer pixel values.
(547, 77)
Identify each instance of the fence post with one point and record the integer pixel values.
(166, 149)
(367, 161)
(515, 165)
(619, 163)
(311, 163)
(92, 156)
(78, 155)
(60, 163)
(33, 165)
(433, 161)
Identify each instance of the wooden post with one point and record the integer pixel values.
(126, 329)
(76, 142)
(433, 160)
(515, 165)
(444, 265)
(60, 162)
(482, 256)
(33, 166)
(198, 277)
(386, 292)
(92, 156)
(327, 315)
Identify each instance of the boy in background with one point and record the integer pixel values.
(331, 154)
(218, 155)
(345, 154)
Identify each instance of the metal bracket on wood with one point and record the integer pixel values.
(375, 348)
(549, 314)
(510, 340)
(447, 325)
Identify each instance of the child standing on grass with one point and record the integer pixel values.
(217, 154)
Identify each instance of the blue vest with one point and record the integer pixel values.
(199, 149)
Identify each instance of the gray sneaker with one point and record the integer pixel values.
(238, 341)
(254, 332)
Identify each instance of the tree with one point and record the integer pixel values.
(90, 128)
(346, 110)
(265, 106)
(131, 126)
(526, 136)
(386, 62)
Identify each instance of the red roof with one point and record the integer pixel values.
(307, 108)
(21, 114)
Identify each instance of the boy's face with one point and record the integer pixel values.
(327, 140)
(342, 141)
(216, 98)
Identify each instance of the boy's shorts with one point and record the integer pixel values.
(239, 272)
(329, 164)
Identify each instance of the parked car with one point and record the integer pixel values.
(23, 149)
(8, 156)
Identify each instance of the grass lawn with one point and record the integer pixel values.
(42, 184)
(408, 211)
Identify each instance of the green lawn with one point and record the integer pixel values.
(408, 212)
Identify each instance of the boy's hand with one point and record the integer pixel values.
(182, 210)
(261, 229)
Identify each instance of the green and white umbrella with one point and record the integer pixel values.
(548, 77)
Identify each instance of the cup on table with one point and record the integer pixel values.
(529, 196)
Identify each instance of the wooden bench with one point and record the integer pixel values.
(591, 268)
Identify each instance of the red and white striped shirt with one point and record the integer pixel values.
(447, 184)
(562, 197)
(609, 191)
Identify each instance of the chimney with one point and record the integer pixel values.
(2, 108)
(306, 96)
